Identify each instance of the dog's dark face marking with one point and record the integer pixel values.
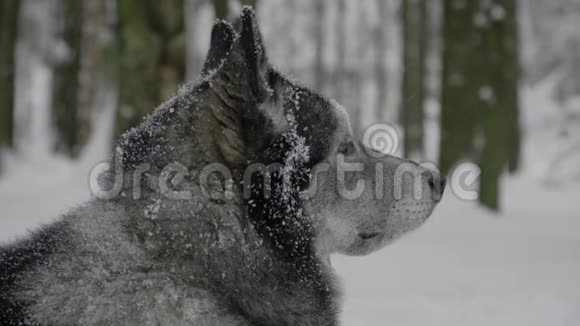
(287, 124)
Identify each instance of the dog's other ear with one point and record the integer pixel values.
(251, 113)
(255, 55)
(265, 83)
(222, 40)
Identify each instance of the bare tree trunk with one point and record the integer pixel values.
(480, 90)
(152, 56)
(99, 61)
(222, 8)
(459, 93)
(380, 36)
(357, 77)
(341, 71)
(94, 19)
(345, 76)
(290, 43)
(319, 41)
(9, 13)
(414, 63)
(512, 80)
(140, 54)
(65, 98)
(168, 26)
(498, 95)
(194, 57)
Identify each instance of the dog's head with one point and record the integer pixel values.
(326, 192)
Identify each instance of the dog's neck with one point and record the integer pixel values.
(236, 261)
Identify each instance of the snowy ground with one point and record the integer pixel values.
(466, 266)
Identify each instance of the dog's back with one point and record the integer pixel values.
(19, 258)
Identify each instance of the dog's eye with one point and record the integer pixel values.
(347, 148)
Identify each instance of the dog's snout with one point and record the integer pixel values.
(430, 180)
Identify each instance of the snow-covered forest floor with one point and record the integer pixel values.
(466, 266)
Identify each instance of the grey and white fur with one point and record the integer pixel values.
(207, 258)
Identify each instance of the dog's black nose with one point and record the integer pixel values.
(436, 183)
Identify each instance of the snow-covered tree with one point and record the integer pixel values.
(556, 45)
(414, 75)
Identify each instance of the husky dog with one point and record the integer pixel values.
(192, 238)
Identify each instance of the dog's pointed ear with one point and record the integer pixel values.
(222, 40)
(255, 55)
(252, 114)
(265, 82)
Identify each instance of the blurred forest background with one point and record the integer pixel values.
(449, 73)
